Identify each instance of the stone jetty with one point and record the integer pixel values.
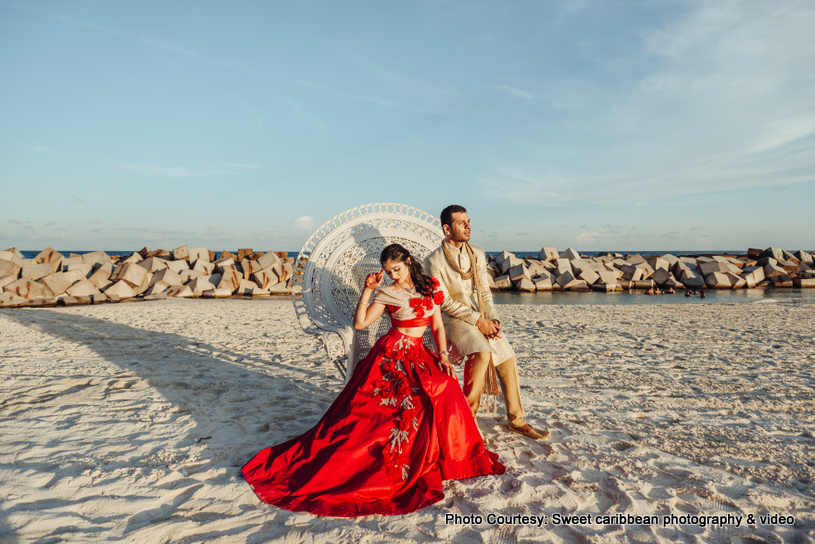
(52, 278)
(573, 271)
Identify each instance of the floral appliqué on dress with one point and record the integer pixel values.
(393, 390)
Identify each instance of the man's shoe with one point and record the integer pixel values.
(527, 430)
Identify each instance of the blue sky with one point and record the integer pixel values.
(600, 125)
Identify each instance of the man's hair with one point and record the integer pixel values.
(447, 214)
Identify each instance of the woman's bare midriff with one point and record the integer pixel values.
(415, 332)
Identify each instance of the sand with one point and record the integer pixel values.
(130, 422)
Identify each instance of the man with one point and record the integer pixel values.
(470, 319)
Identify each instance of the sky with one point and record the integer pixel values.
(601, 125)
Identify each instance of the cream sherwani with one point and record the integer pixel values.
(460, 309)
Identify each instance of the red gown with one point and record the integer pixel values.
(398, 428)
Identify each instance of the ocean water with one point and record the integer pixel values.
(768, 295)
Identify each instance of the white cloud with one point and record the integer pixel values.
(304, 222)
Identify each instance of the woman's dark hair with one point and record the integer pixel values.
(399, 254)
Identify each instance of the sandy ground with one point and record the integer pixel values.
(130, 422)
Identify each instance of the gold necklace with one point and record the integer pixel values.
(411, 291)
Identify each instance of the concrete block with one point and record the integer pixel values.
(625, 284)
(632, 273)
(179, 291)
(605, 287)
(565, 279)
(717, 280)
(542, 283)
(578, 285)
(132, 258)
(707, 268)
(26, 288)
(204, 267)
(579, 265)
(265, 278)
(96, 257)
(198, 254)
(121, 289)
(100, 299)
(101, 277)
(5, 280)
(10, 300)
(156, 296)
(534, 267)
(692, 280)
(228, 255)
(182, 253)
(218, 293)
(243, 253)
(144, 285)
(502, 283)
(283, 288)
(129, 272)
(268, 259)
(198, 286)
(518, 272)
(635, 259)
(187, 275)
(230, 279)
(548, 254)
(608, 277)
(153, 264)
(589, 276)
(524, 285)
(58, 283)
(788, 266)
(178, 266)
(167, 276)
(249, 268)
(49, 255)
(8, 268)
(221, 263)
(773, 252)
(73, 259)
(501, 257)
(781, 281)
(642, 284)
(157, 287)
(510, 262)
(36, 271)
(570, 254)
(658, 263)
(771, 270)
(84, 270)
(661, 275)
(736, 281)
(82, 288)
(749, 279)
(803, 256)
(804, 282)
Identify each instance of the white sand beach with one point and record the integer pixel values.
(130, 422)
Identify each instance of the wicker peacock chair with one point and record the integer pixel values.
(330, 271)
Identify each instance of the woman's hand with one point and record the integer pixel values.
(373, 280)
(446, 366)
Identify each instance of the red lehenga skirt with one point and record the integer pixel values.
(398, 428)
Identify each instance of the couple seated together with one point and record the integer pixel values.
(402, 424)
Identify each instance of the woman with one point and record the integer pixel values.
(399, 427)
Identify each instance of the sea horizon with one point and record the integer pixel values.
(31, 253)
